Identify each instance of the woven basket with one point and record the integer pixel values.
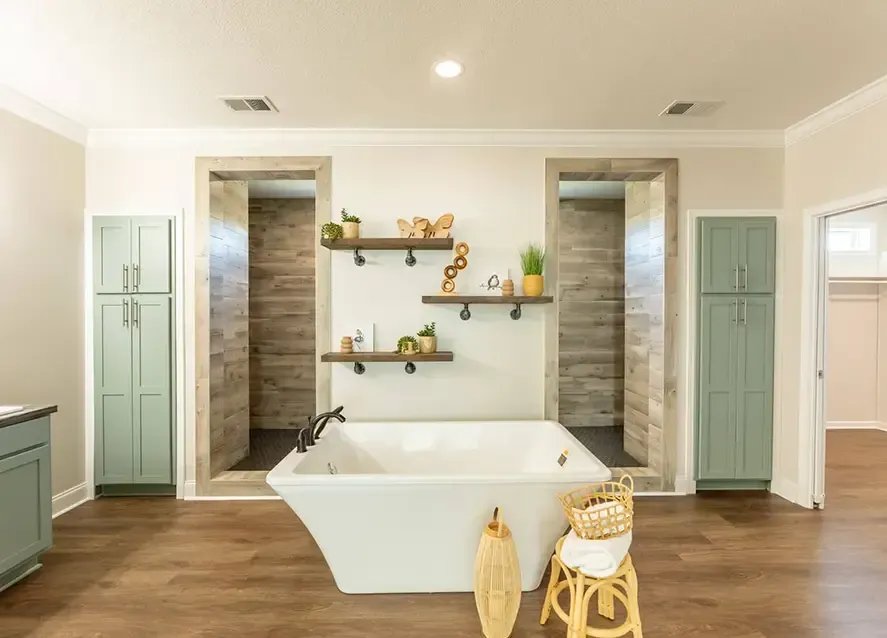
(614, 515)
(497, 581)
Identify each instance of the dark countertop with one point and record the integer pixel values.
(30, 412)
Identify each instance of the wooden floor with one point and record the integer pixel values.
(732, 566)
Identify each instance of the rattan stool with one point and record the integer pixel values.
(623, 585)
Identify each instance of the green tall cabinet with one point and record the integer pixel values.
(133, 352)
(735, 334)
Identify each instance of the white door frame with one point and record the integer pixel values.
(811, 420)
(687, 374)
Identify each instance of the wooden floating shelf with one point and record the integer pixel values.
(388, 243)
(359, 358)
(493, 300)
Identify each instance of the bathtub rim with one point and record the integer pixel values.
(283, 474)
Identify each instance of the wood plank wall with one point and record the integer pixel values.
(229, 325)
(592, 312)
(644, 320)
(281, 312)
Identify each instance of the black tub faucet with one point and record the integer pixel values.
(302, 440)
(318, 422)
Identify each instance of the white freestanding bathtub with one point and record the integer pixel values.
(406, 506)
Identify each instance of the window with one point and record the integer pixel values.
(850, 239)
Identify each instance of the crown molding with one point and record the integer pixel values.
(28, 109)
(162, 138)
(847, 106)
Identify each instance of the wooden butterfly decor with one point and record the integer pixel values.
(416, 229)
(440, 228)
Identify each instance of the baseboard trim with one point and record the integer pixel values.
(786, 489)
(190, 494)
(856, 425)
(684, 485)
(69, 499)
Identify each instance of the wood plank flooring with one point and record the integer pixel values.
(733, 566)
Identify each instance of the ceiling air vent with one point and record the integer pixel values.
(249, 104)
(691, 109)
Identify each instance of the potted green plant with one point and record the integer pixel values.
(407, 345)
(428, 339)
(532, 261)
(350, 225)
(331, 230)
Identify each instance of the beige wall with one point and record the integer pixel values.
(228, 325)
(281, 313)
(497, 195)
(844, 160)
(591, 289)
(42, 186)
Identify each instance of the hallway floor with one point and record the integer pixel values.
(740, 565)
(267, 447)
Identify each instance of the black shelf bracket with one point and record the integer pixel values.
(359, 260)
(466, 313)
(410, 261)
(410, 367)
(515, 313)
(359, 368)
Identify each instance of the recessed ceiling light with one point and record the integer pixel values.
(448, 69)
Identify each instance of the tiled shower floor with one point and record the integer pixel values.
(606, 444)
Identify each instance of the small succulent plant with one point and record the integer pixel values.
(428, 330)
(349, 218)
(403, 341)
(331, 230)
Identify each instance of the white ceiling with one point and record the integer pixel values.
(529, 64)
(591, 190)
(281, 188)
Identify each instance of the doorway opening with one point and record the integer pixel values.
(262, 315)
(611, 365)
(850, 397)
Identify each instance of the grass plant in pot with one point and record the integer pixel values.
(428, 339)
(350, 225)
(532, 261)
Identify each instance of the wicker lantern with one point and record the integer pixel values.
(497, 581)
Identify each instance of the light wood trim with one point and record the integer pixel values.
(625, 169)
(204, 168)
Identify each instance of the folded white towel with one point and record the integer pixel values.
(599, 557)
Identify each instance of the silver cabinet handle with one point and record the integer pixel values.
(744, 312)
(125, 277)
(135, 313)
(735, 277)
(745, 277)
(735, 311)
(125, 312)
(136, 278)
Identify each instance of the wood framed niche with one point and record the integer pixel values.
(233, 170)
(651, 302)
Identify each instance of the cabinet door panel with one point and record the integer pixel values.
(113, 389)
(716, 414)
(718, 264)
(152, 254)
(754, 429)
(111, 262)
(152, 404)
(26, 495)
(757, 255)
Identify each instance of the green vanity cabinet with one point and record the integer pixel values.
(737, 255)
(133, 387)
(132, 255)
(734, 344)
(25, 492)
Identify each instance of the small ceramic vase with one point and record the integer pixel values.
(347, 346)
(508, 288)
(350, 230)
(427, 345)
